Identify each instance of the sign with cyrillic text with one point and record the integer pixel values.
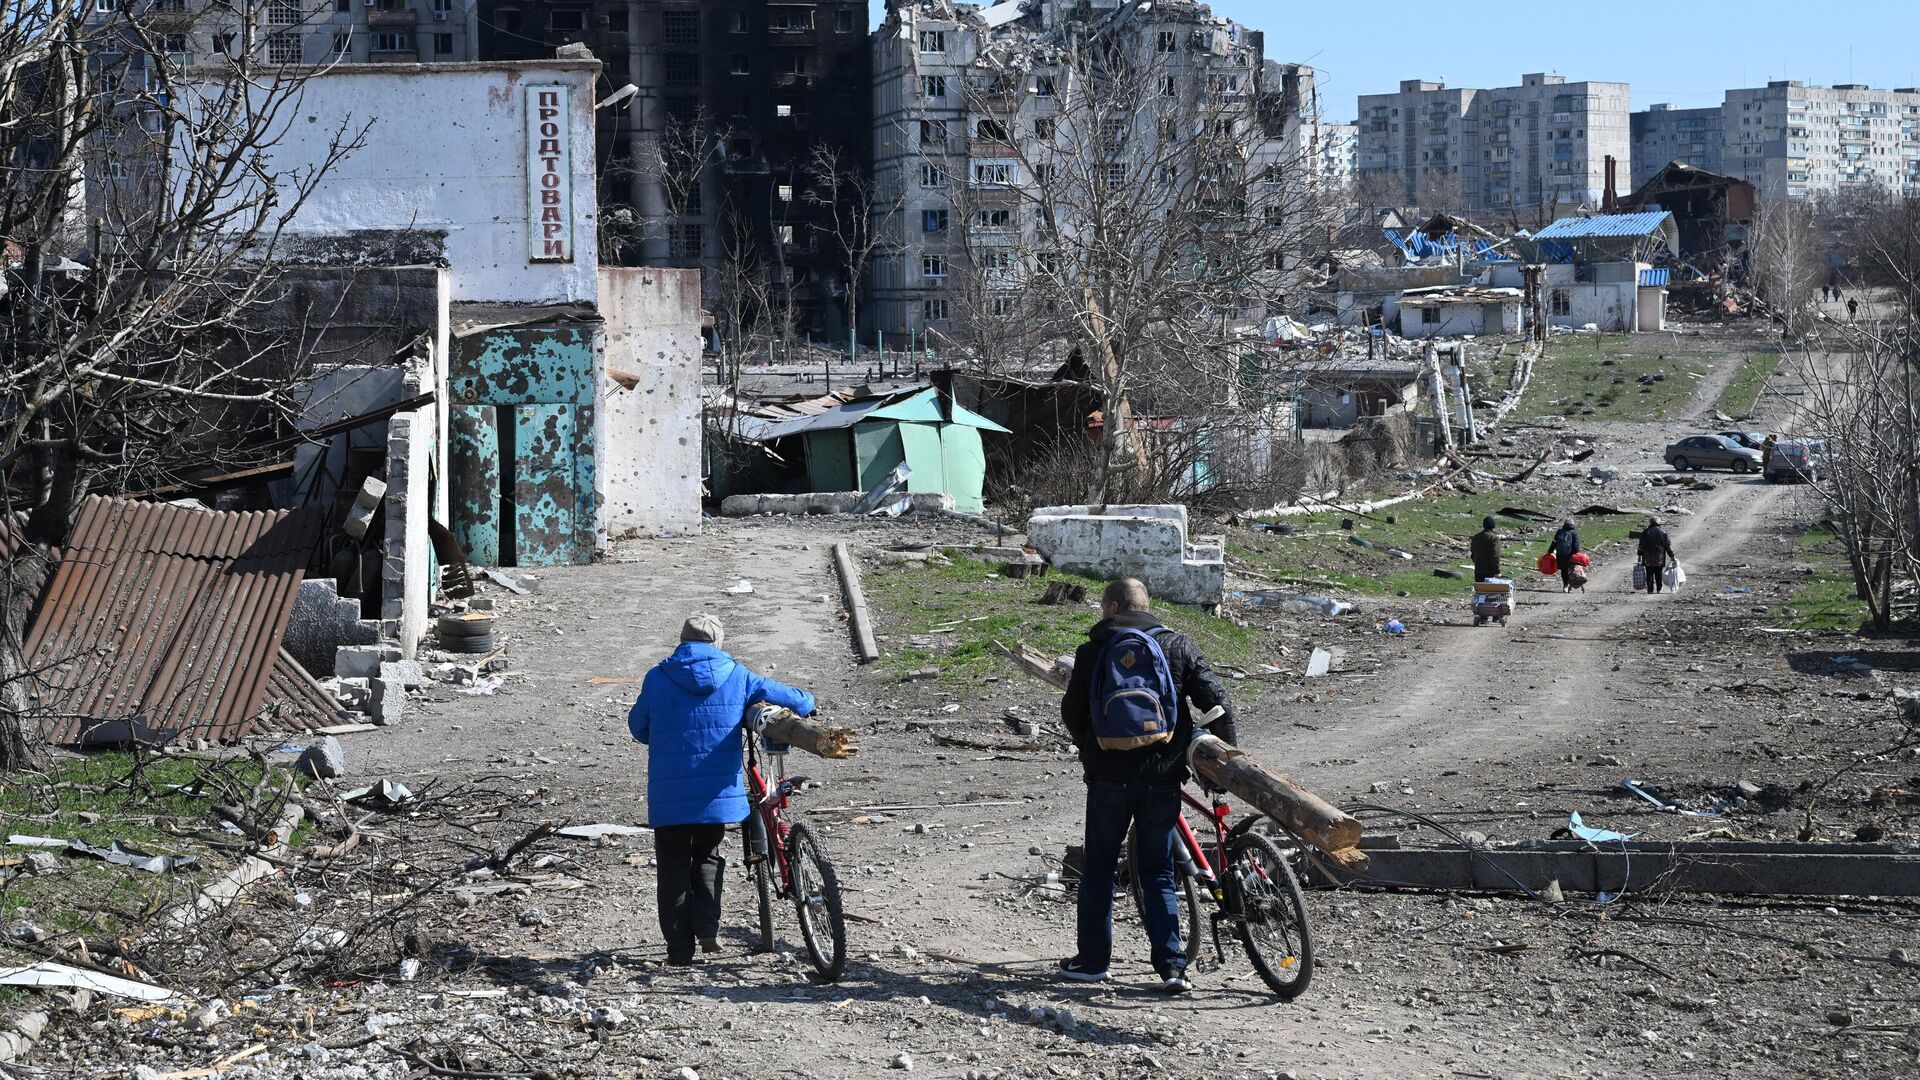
(549, 175)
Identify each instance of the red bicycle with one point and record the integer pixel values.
(1250, 884)
(787, 862)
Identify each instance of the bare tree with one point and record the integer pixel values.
(1861, 401)
(1785, 262)
(140, 223)
(1146, 219)
(852, 204)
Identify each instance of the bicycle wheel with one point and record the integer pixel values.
(1273, 925)
(1186, 897)
(816, 894)
(760, 865)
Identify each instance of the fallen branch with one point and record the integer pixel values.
(1618, 954)
(497, 861)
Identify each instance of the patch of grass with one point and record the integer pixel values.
(1597, 377)
(1320, 556)
(163, 808)
(1742, 393)
(1824, 599)
(962, 609)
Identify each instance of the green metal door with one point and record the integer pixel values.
(473, 453)
(544, 523)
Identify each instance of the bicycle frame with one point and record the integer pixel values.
(1191, 848)
(770, 805)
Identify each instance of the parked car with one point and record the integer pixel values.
(1752, 440)
(1712, 452)
(1793, 461)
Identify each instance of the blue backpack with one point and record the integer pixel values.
(1135, 704)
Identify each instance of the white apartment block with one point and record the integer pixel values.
(951, 155)
(1792, 140)
(1336, 149)
(1537, 148)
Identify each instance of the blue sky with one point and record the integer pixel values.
(1682, 51)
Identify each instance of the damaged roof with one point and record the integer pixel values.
(1644, 223)
(165, 618)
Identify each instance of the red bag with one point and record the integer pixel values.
(1580, 559)
(1548, 566)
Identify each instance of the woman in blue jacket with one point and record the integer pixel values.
(689, 716)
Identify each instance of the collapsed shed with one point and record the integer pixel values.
(854, 445)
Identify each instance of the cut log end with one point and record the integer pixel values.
(809, 734)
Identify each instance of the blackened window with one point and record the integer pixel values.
(682, 27)
(683, 69)
(567, 19)
(443, 44)
(617, 21)
(843, 22)
(683, 110)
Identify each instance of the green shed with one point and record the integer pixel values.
(854, 446)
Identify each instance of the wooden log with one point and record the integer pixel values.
(1291, 806)
(1038, 664)
(808, 733)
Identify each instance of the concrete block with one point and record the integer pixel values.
(406, 673)
(322, 621)
(1147, 542)
(352, 693)
(388, 702)
(358, 661)
(324, 759)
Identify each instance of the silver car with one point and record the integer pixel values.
(1712, 452)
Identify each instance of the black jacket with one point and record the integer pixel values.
(1193, 681)
(1655, 548)
(1566, 543)
(1485, 546)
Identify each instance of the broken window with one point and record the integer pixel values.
(1166, 41)
(933, 310)
(994, 219)
(933, 41)
(933, 266)
(567, 19)
(680, 27)
(1043, 127)
(931, 177)
(933, 132)
(933, 86)
(1043, 86)
(933, 221)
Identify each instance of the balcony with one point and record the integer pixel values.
(392, 16)
(791, 79)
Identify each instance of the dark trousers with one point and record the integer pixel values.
(1152, 809)
(1656, 576)
(689, 891)
(1566, 575)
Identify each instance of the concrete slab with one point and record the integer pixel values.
(1148, 542)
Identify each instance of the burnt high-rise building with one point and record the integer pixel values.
(710, 163)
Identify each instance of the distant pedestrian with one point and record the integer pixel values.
(690, 716)
(1826, 294)
(1485, 548)
(1565, 545)
(1656, 551)
(1853, 307)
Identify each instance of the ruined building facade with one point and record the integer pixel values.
(957, 139)
(745, 90)
(1537, 150)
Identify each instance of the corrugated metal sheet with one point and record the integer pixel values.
(167, 613)
(1645, 223)
(294, 702)
(1656, 276)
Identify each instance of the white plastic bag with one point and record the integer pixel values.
(1676, 577)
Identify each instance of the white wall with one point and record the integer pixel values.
(445, 150)
(649, 417)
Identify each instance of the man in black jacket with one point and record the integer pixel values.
(1139, 786)
(1656, 551)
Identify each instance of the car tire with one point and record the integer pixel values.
(1742, 466)
(1680, 464)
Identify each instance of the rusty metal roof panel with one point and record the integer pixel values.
(171, 614)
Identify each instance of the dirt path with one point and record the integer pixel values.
(1484, 693)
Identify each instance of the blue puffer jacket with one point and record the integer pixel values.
(689, 716)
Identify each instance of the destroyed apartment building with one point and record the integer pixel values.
(482, 393)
